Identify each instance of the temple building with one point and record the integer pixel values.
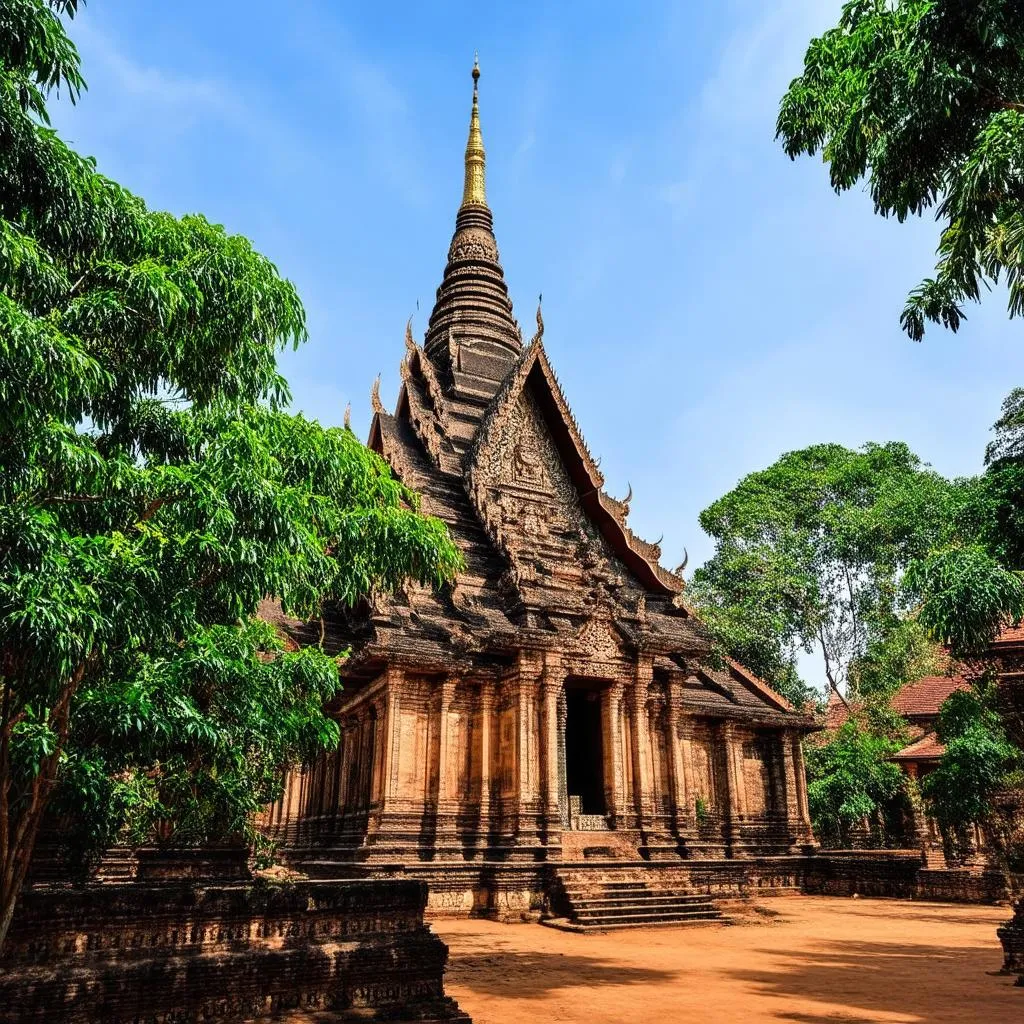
(559, 702)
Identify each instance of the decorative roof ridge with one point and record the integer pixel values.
(422, 418)
(416, 364)
(759, 684)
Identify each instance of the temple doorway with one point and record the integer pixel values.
(584, 754)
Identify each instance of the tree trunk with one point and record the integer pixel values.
(24, 830)
(20, 829)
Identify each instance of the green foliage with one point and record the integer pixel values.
(850, 778)
(153, 489)
(904, 652)
(809, 555)
(924, 99)
(967, 596)
(977, 763)
(1000, 514)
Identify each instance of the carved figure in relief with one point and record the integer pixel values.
(526, 466)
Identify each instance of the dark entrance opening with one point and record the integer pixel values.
(584, 756)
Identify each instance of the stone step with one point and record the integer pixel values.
(649, 901)
(598, 902)
(635, 917)
(564, 924)
(602, 883)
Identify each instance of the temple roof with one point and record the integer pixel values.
(483, 432)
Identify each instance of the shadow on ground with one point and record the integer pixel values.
(875, 978)
(515, 974)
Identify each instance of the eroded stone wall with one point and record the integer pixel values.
(190, 952)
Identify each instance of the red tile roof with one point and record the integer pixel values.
(925, 696)
(919, 699)
(1011, 635)
(837, 713)
(927, 748)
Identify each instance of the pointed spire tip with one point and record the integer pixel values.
(474, 193)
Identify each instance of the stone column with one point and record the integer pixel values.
(552, 688)
(486, 707)
(642, 743)
(563, 775)
(734, 784)
(447, 803)
(682, 787)
(529, 804)
(613, 731)
(552, 685)
(365, 748)
(390, 732)
(801, 785)
(790, 787)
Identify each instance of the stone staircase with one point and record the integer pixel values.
(588, 902)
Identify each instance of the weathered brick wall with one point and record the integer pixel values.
(178, 953)
(900, 874)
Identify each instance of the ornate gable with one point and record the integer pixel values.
(531, 477)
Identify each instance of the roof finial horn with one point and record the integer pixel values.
(375, 402)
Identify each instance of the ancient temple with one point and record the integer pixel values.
(560, 697)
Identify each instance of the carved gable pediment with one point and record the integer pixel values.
(599, 639)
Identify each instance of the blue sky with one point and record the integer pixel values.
(708, 304)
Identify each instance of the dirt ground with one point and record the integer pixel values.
(819, 960)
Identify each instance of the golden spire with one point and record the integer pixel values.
(473, 194)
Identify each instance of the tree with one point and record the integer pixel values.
(809, 556)
(851, 778)
(979, 761)
(924, 99)
(967, 590)
(153, 489)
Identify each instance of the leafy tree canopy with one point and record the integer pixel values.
(979, 761)
(809, 555)
(851, 778)
(970, 588)
(924, 100)
(153, 488)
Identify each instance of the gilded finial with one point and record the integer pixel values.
(375, 402)
(628, 498)
(540, 318)
(473, 192)
(410, 344)
(348, 416)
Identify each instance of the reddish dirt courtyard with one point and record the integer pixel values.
(818, 960)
